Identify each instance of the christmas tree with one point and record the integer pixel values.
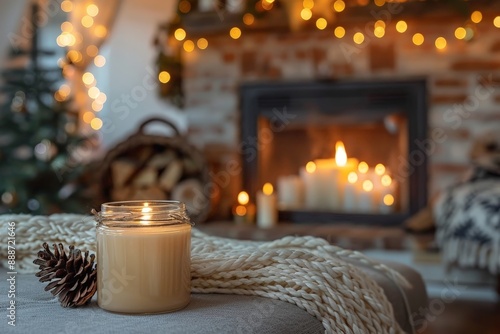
(38, 137)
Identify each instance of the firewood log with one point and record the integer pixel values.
(159, 161)
(121, 170)
(171, 175)
(147, 177)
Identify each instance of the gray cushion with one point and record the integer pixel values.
(37, 310)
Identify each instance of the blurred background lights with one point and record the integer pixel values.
(309, 4)
(339, 32)
(379, 32)
(248, 19)
(164, 77)
(94, 92)
(339, 6)
(87, 21)
(321, 23)
(358, 38)
(401, 26)
(188, 45)
(99, 61)
(66, 26)
(88, 78)
(476, 16)
(418, 39)
(202, 43)
(67, 6)
(96, 123)
(440, 43)
(496, 21)
(460, 33)
(92, 10)
(379, 23)
(88, 116)
(180, 34)
(306, 14)
(235, 33)
(92, 50)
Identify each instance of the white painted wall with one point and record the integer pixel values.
(130, 76)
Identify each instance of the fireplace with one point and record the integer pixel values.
(337, 151)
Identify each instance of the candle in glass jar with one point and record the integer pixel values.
(143, 252)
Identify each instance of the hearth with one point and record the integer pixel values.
(337, 151)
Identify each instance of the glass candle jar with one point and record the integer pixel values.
(143, 257)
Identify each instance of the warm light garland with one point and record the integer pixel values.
(311, 9)
(70, 37)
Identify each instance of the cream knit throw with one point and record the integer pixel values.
(304, 271)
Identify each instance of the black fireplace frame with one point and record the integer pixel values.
(408, 94)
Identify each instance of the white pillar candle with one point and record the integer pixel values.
(350, 200)
(290, 192)
(267, 213)
(344, 166)
(143, 257)
(328, 176)
(366, 202)
(312, 186)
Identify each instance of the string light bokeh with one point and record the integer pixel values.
(72, 36)
(308, 12)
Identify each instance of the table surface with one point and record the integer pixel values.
(37, 311)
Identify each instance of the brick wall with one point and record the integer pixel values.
(463, 82)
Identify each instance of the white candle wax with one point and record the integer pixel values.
(290, 192)
(366, 199)
(365, 202)
(351, 191)
(327, 182)
(312, 189)
(267, 213)
(143, 268)
(350, 198)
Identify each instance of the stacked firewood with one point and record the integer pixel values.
(158, 173)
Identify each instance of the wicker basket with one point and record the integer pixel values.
(147, 167)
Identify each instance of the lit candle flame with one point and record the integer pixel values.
(243, 198)
(268, 189)
(146, 209)
(379, 169)
(340, 154)
(311, 167)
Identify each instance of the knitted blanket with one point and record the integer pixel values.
(467, 218)
(304, 271)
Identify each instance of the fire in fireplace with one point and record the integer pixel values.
(337, 151)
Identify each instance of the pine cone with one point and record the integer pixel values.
(73, 278)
